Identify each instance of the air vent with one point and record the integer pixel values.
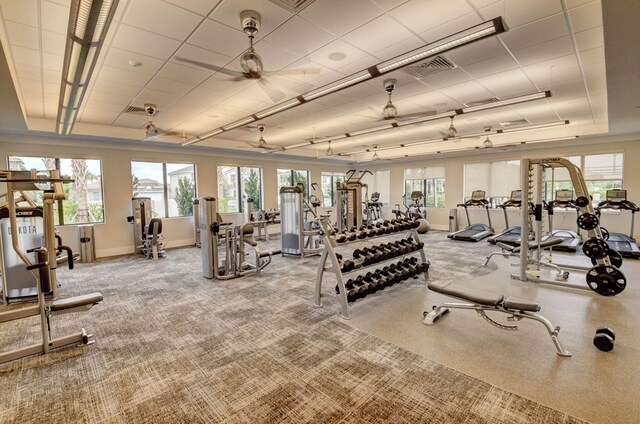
(482, 102)
(514, 123)
(293, 6)
(135, 109)
(424, 69)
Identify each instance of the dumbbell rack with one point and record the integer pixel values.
(329, 254)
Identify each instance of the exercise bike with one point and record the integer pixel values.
(413, 211)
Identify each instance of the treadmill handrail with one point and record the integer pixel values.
(624, 205)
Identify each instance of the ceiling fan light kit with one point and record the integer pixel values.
(89, 21)
(470, 35)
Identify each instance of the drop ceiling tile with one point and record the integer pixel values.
(116, 88)
(359, 65)
(113, 74)
(98, 116)
(185, 74)
(568, 90)
(201, 7)
(389, 4)
(421, 15)
(544, 51)
(338, 16)
(116, 108)
(219, 38)
(590, 39)
(53, 43)
(170, 86)
(479, 4)
(522, 12)
(55, 17)
(491, 66)
(272, 16)
(132, 121)
(120, 59)
(336, 55)
(30, 89)
(162, 18)
(537, 112)
(378, 34)
(52, 89)
(556, 71)
(494, 10)
(139, 41)
(52, 61)
(190, 52)
(398, 49)
(434, 100)
(476, 52)
(449, 28)
(444, 79)
(23, 12)
(34, 108)
(508, 84)
(32, 73)
(108, 97)
(586, 17)
(576, 3)
(25, 56)
(51, 109)
(536, 32)
(22, 35)
(161, 98)
(466, 92)
(593, 56)
(274, 57)
(299, 36)
(334, 99)
(51, 76)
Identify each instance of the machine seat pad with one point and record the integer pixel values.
(76, 301)
(543, 245)
(513, 302)
(270, 252)
(250, 240)
(481, 296)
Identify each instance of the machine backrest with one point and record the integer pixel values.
(152, 224)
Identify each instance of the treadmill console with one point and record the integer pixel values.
(478, 195)
(516, 196)
(564, 198)
(616, 196)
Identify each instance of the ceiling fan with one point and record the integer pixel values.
(251, 62)
(261, 144)
(452, 131)
(375, 157)
(390, 112)
(150, 130)
(488, 144)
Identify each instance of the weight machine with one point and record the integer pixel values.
(374, 208)
(301, 236)
(349, 200)
(604, 278)
(43, 264)
(214, 234)
(147, 231)
(260, 219)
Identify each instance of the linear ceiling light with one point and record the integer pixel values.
(89, 21)
(509, 102)
(486, 29)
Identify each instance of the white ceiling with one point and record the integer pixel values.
(333, 37)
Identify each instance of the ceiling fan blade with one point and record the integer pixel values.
(270, 90)
(213, 68)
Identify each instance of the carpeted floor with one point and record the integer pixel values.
(175, 347)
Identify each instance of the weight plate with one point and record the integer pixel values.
(605, 233)
(588, 221)
(614, 256)
(582, 201)
(595, 248)
(606, 280)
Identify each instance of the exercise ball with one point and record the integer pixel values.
(424, 226)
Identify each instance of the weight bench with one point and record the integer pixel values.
(514, 251)
(482, 300)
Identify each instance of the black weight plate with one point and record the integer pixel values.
(614, 256)
(606, 280)
(582, 201)
(605, 233)
(588, 221)
(595, 248)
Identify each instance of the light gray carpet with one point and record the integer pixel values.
(175, 347)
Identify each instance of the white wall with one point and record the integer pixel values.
(115, 236)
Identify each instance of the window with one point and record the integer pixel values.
(171, 187)
(328, 182)
(430, 181)
(291, 177)
(235, 185)
(497, 179)
(601, 173)
(379, 182)
(84, 203)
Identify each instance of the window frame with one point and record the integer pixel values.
(165, 186)
(291, 172)
(424, 183)
(332, 189)
(239, 168)
(60, 203)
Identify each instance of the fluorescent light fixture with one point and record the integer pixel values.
(89, 21)
(370, 130)
(509, 102)
(202, 137)
(338, 85)
(478, 32)
(278, 108)
(239, 123)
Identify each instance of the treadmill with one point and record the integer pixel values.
(625, 244)
(474, 232)
(510, 235)
(570, 239)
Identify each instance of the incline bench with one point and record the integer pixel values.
(482, 300)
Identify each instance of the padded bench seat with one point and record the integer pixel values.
(532, 246)
(270, 253)
(76, 301)
(513, 302)
(481, 296)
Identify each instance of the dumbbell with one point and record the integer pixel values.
(351, 236)
(341, 238)
(605, 339)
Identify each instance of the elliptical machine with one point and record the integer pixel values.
(413, 211)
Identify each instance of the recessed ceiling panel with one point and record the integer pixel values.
(339, 16)
(162, 18)
(219, 38)
(139, 41)
(419, 15)
(378, 34)
(23, 11)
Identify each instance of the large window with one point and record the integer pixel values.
(291, 177)
(430, 181)
(379, 182)
(84, 203)
(497, 179)
(328, 181)
(171, 187)
(235, 185)
(601, 173)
